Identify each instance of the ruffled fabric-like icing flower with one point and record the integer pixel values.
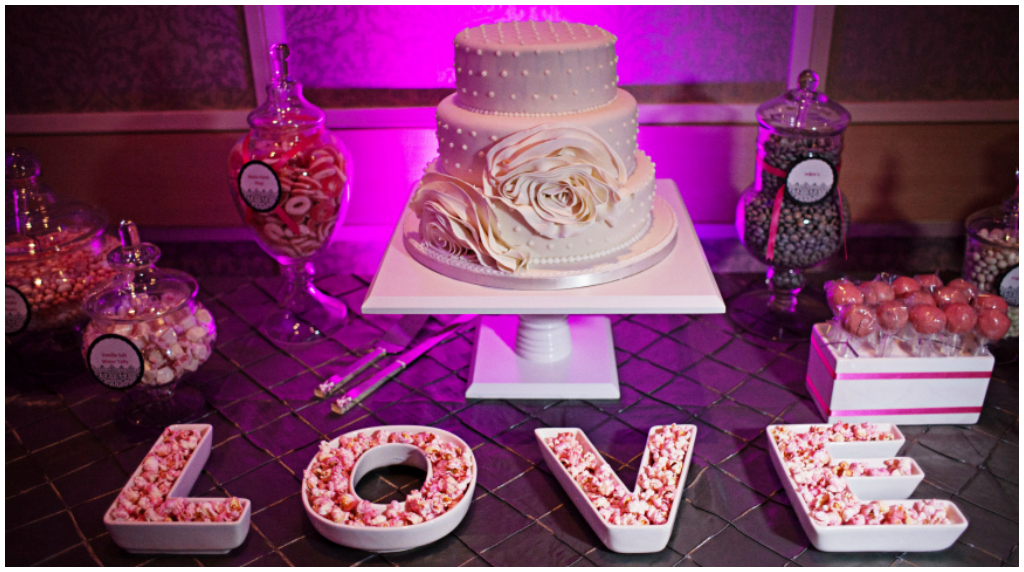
(560, 178)
(457, 219)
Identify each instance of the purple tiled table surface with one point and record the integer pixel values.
(69, 450)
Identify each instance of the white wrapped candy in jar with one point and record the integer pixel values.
(146, 326)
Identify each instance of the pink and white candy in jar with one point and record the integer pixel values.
(290, 181)
(147, 331)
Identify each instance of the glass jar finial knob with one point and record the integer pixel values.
(808, 80)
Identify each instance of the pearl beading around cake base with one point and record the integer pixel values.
(651, 248)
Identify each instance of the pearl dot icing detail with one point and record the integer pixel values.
(512, 96)
(484, 74)
(490, 94)
(526, 73)
(504, 73)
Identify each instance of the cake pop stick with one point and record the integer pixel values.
(927, 322)
(892, 317)
(929, 282)
(960, 319)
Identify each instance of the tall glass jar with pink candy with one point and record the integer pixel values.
(290, 181)
(147, 332)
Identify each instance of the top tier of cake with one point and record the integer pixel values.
(535, 68)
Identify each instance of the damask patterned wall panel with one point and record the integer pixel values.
(126, 58)
(906, 53)
(402, 55)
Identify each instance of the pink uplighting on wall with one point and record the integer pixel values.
(411, 46)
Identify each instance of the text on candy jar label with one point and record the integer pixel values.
(115, 361)
(16, 311)
(259, 186)
(810, 180)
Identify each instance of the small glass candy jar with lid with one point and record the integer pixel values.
(146, 325)
(794, 215)
(992, 255)
(55, 250)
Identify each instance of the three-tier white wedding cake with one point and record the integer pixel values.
(538, 162)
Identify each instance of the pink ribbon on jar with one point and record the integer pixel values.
(284, 157)
(773, 228)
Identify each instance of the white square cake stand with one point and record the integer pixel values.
(569, 350)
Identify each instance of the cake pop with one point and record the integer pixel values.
(904, 285)
(859, 320)
(929, 282)
(876, 292)
(990, 302)
(950, 295)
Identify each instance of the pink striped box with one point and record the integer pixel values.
(905, 390)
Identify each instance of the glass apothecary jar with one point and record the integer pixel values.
(992, 255)
(147, 331)
(794, 215)
(290, 181)
(55, 250)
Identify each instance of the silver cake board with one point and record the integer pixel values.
(682, 283)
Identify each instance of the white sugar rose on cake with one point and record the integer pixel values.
(538, 165)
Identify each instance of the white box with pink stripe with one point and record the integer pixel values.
(904, 389)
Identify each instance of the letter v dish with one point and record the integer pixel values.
(629, 522)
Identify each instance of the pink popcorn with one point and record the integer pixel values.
(822, 486)
(329, 479)
(144, 498)
(656, 482)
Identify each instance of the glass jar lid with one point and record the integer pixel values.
(998, 225)
(285, 109)
(38, 221)
(804, 111)
(142, 291)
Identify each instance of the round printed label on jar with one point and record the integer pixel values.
(259, 186)
(810, 180)
(1009, 286)
(17, 312)
(115, 361)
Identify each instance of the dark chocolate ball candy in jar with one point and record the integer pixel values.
(794, 216)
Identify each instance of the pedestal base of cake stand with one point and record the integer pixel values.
(543, 357)
(550, 344)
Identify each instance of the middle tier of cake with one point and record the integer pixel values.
(626, 223)
(464, 136)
